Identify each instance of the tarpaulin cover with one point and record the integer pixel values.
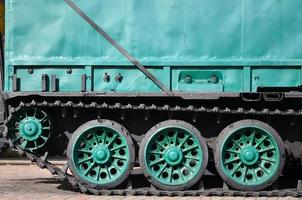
(156, 32)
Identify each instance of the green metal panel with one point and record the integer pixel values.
(65, 82)
(132, 79)
(178, 34)
(274, 77)
(229, 79)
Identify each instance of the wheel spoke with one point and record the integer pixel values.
(85, 160)
(244, 174)
(269, 160)
(105, 137)
(232, 151)
(113, 139)
(28, 130)
(189, 149)
(16, 139)
(249, 154)
(173, 155)
(184, 141)
(102, 153)
(156, 153)
(95, 137)
(25, 114)
(254, 174)
(88, 143)
(84, 151)
(90, 168)
(180, 174)
(175, 137)
(43, 119)
(108, 171)
(117, 148)
(119, 157)
(24, 144)
(156, 162)
(253, 137)
(161, 171)
(159, 144)
(35, 112)
(260, 142)
(231, 161)
(237, 167)
(171, 173)
(263, 169)
(236, 144)
(192, 158)
(266, 149)
(116, 167)
(189, 168)
(44, 138)
(98, 173)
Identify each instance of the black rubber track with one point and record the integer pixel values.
(42, 162)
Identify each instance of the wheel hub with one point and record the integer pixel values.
(30, 128)
(173, 156)
(101, 155)
(249, 155)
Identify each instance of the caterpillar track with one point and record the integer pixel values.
(128, 189)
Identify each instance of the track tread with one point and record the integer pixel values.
(150, 191)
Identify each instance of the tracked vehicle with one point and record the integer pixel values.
(199, 97)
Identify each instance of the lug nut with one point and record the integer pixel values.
(106, 77)
(214, 79)
(30, 71)
(69, 71)
(119, 78)
(188, 79)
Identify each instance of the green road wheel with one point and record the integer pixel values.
(173, 155)
(249, 155)
(29, 128)
(101, 154)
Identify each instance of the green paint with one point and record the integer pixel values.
(100, 155)
(173, 156)
(89, 77)
(236, 40)
(30, 128)
(250, 156)
(232, 79)
(246, 79)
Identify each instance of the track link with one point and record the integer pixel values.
(64, 176)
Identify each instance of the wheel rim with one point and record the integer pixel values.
(250, 156)
(173, 156)
(29, 128)
(100, 155)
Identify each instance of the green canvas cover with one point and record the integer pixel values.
(174, 33)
